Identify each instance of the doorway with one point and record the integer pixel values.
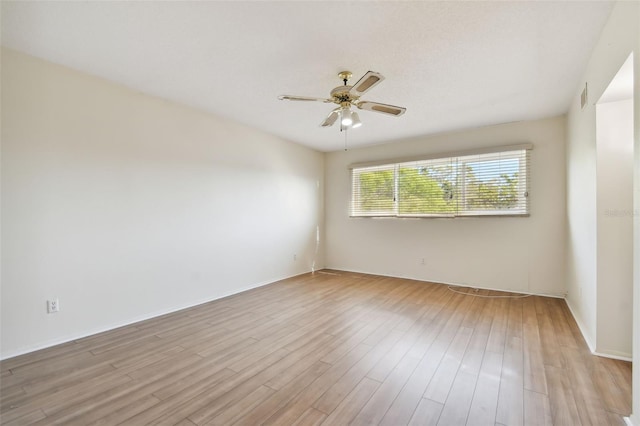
(615, 215)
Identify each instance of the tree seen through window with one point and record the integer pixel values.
(443, 187)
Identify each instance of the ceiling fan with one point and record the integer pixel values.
(346, 96)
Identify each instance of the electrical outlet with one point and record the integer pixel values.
(423, 262)
(53, 306)
(295, 257)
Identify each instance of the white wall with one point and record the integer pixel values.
(512, 253)
(581, 223)
(619, 38)
(126, 206)
(635, 411)
(614, 189)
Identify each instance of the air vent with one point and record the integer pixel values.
(583, 97)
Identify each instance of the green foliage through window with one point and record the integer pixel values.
(471, 185)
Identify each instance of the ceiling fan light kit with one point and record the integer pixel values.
(355, 120)
(346, 117)
(347, 96)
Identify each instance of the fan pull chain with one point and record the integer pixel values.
(345, 139)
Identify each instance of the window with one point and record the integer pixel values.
(469, 184)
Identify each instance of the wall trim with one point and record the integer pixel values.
(613, 356)
(630, 422)
(174, 309)
(580, 327)
(591, 346)
(575, 317)
(154, 314)
(555, 296)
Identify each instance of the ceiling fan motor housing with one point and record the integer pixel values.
(341, 94)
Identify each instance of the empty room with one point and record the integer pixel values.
(320, 213)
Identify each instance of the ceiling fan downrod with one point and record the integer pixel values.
(345, 76)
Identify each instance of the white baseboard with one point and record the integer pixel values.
(556, 296)
(587, 339)
(70, 338)
(592, 348)
(629, 422)
(613, 356)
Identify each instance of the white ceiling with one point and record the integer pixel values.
(453, 64)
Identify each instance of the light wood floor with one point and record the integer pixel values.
(328, 349)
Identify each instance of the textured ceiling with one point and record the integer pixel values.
(453, 65)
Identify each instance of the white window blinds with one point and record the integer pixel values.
(487, 183)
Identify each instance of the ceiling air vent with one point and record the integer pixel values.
(583, 97)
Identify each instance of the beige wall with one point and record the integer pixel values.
(524, 254)
(125, 206)
(615, 45)
(620, 37)
(614, 188)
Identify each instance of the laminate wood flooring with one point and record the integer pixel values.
(331, 348)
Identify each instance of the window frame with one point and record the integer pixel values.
(459, 157)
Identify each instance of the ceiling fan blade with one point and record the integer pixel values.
(383, 108)
(303, 98)
(366, 83)
(331, 118)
